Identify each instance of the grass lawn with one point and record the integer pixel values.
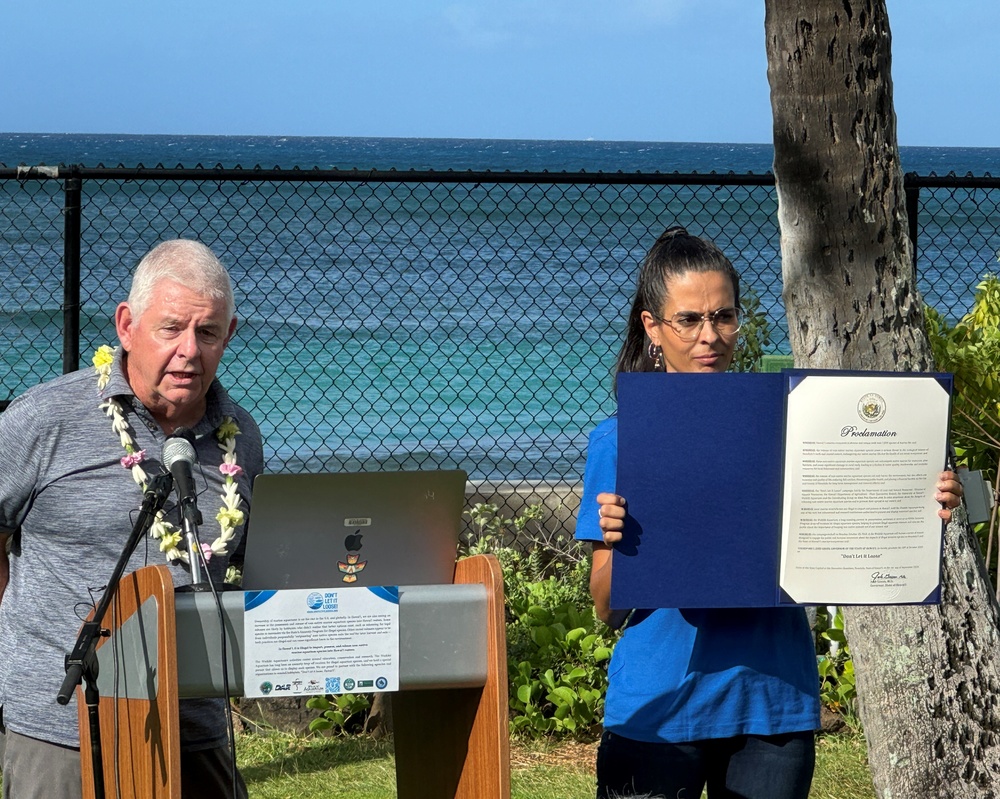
(282, 766)
(285, 767)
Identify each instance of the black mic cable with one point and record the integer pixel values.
(179, 457)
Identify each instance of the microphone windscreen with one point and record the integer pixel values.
(178, 448)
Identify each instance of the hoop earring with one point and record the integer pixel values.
(655, 353)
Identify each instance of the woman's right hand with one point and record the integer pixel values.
(611, 513)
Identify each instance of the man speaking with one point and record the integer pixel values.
(76, 454)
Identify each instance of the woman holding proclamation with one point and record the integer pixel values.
(723, 698)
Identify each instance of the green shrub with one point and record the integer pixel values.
(970, 350)
(557, 649)
(341, 713)
(755, 334)
(837, 688)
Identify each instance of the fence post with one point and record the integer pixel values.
(71, 273)
(912, 193)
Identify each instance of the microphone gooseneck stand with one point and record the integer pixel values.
(81, 663)
(196, 558)
(179, 457)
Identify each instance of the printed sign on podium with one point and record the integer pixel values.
(323, 641)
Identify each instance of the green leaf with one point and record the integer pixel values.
(562, 695)
(318, 703)
(575, 675)
(542, 636)
(576, 635)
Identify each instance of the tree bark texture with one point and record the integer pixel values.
(841, 207)
(928, 677)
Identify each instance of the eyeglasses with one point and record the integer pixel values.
(687, 324)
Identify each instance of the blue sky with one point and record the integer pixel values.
(649, 70)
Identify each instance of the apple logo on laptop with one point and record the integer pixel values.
(354, 564)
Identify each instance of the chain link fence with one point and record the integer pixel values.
(408, 320)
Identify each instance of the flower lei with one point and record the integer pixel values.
(229, 516)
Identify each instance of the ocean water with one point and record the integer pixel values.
(308, 152)
(410, 378)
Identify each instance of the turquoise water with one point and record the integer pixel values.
(472, 328)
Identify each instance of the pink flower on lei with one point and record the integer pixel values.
(133, 459)
(231, 469)
(207, 551)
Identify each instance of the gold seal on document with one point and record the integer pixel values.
(871, 408)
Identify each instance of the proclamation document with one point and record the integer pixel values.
(862, 456)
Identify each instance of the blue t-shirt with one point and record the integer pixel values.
(682, 675)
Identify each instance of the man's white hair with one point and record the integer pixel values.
(183, 261)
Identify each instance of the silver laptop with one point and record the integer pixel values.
(353, 529)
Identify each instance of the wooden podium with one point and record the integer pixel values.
(456, 742)
(450, 730)
(140, 730)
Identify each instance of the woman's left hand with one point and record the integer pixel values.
(949, 493)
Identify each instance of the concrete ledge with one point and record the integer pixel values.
(561, 501)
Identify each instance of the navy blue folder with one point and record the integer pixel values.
(707, 486)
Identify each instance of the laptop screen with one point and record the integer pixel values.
(353, 529)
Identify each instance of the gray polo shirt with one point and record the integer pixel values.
(71, 505)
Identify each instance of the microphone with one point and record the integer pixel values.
(179, 457)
